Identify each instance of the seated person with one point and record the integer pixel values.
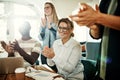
(27, 47)
(65, 53)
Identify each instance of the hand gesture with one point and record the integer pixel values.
(15, 45)
(43, 22)
(48, 52)
(87, 16)
(8, 48)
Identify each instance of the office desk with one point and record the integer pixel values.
(44, 72)
(12, 77)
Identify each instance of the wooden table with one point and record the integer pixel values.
(12, 77)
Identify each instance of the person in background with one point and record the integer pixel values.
(48, 28)
(104, 23)
(66, 52)
(26, 47)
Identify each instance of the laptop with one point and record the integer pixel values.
(9, 64)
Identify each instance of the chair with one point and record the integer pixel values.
(89, 69)
(92, 50)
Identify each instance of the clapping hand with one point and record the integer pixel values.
(43, 22)
(8, 48)
(48, 52)
(87, 16)
(15, 45)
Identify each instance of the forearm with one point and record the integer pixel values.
(26, 56)
(42, 33)
(109, 21)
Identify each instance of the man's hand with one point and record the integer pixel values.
(8, 48)
(15, 45)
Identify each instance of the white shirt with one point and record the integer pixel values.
(67, 56)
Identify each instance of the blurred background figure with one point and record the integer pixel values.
(48, 28)
(26, 47)
(104, 23)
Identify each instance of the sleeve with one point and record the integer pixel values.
(50, 62)
(73, 59)
(37, 48)
(42, 33)
(53, 28)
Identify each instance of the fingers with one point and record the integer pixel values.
(3, 44)
(97, 8)
(45, 53)
(86, 6)
(48, 52)
(83, 6)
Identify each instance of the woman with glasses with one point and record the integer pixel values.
(48, 28)
(66, 52)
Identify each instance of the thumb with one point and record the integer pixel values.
(97, 8)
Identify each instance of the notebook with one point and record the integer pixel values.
(42, 74)
(9, 64)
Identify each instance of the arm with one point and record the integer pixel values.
(110, 21)
(73, 60)
(29, 58)
(42, 29)
(53, 30)
(42, 33)
(89, 17)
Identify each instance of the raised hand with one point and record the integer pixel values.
(43, 22)
(8, 48)
(87, 16)
(48, 52)
(15, 45)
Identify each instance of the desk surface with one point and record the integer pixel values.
(43, 71)
(12, 77)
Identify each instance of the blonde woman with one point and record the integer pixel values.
(48, 28)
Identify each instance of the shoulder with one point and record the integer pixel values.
(74, 42)
(34, 41)
(57, 41)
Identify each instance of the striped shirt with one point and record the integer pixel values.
(29, 46)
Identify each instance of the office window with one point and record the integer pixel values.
(12, 15)
(25, 13)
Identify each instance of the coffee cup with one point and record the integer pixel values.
(20, 73)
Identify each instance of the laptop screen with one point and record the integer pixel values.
(9, 64)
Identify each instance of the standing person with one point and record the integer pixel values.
(66, 52)
(104, 24)
(48, 28)
(26, 47)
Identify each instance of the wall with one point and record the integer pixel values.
(65, 7)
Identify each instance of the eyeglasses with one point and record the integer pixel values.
(64, 29)
(47, 7)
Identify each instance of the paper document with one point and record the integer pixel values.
(41, 75)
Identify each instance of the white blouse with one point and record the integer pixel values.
(67, 57)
